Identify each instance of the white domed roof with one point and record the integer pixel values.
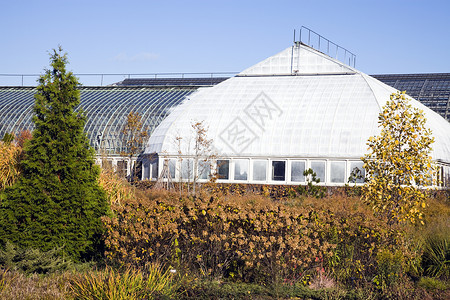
(298, 103)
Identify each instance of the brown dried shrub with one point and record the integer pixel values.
(251, 238)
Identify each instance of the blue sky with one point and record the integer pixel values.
(130, 36)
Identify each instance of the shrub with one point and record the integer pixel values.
(31, 261)
(389, 268)
(358, 240)
(358, 237)
(251, 239)
(311, 188)
(430, 283)
(117, 188)
(57, 201)
(436, 255)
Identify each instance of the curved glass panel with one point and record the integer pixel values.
(106, 110)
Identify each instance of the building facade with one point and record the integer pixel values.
(296, 110)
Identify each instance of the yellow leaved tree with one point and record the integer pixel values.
(399, 164)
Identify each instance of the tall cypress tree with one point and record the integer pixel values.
(57, 202)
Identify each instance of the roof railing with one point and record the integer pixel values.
(99, 79)
(324, 45)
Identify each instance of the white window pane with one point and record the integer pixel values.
(259, 170)
(337, 171)
(223, 168)
(187, 168)
(154, 167)
(297, 170)
(319, 168)
(172, 164)
(240, 169)
(204, 169)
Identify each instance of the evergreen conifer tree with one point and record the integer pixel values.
(57, 202)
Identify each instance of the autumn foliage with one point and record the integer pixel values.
(399, 163)
(9, 163)
(249, 238)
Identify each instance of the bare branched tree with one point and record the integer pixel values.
(134, 137)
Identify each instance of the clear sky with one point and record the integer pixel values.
(131, 36)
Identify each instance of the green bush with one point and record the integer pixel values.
(389, 268)
(311, 188)
(429, 283)
(436, 255)
(57, 201)
(30, 261)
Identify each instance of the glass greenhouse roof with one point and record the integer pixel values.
(432, 89)
(106, 110)
(297, 103)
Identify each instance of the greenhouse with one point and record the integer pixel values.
(106, 109)
(296, 110)
(431, 89)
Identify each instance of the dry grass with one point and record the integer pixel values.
(118, 190)
(336, 203)
(127, 284)
(322, 281)
(9, 164)
(18, 286)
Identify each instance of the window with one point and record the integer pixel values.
(240, 169)
(154, 169)
(278, 170)
(204, 169)
(107, 164)
(187, 168)
(259, 170)
(357, 172)
(447, 177)
(319, 168)
(337, 171)
(146, 170)
(223, 168)
(122, 167)
(297, 169)
(172, 164)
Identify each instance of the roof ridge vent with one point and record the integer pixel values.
(314, 40)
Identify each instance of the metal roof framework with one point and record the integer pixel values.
(431, 89)
(106, 109)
